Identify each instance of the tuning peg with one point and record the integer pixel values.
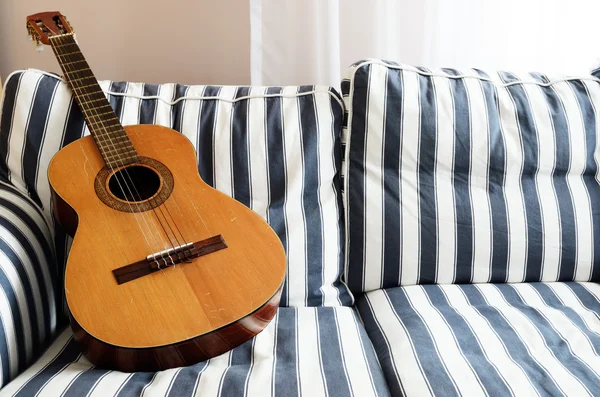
(69, 23)
(39, 48)
(29, 38)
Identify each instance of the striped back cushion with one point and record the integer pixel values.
(28, 283)
(275, 149)
(470, 177)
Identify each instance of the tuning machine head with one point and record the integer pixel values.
(44, 25)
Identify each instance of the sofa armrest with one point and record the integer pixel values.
(28, 282)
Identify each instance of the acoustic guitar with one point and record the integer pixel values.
(164, 271)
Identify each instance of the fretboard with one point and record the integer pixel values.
(110, 137)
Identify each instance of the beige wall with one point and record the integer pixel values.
(184, 41)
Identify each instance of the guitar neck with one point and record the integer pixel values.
(108, 133)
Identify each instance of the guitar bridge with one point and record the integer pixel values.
(164, 258)
(167, 258)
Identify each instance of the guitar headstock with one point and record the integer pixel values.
(44, 25)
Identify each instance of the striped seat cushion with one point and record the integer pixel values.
(28, 281)
(305, 351)
(529, 339)
(469, 177)
(275, 149)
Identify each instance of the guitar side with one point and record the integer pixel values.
(179, 315)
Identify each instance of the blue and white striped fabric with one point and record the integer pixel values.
(304, 352)
(469, 177)
(529, 339)
(28, 315)
(275, 149)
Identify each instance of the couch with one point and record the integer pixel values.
(442, 230)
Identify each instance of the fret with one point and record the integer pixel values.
(122, 149)
(108, 133)
(71, 63)
(102, 114)
(112, 151)
(94, 112)
(112, 140)
(64, 45)
(121, 160)
(108, 154)
(90, 106)
(94, 94)
(126, 147)
(87, 86)
(69, 53)
(90, 95)
(108, 147)
(122, 141)
(104, 107)
(71, 57)
(82, 78)
(90, 101)
(79, 71)
(111, 137)
(117, 151)
(102, 122)
(116, 164)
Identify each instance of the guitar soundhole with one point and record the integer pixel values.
(134, 183)
(149, 184)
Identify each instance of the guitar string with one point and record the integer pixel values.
(179, 244)
(138, 196)
(85, 110)
(62, 57)
(185, 252)
(126, 174)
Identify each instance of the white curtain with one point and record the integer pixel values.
(313, 41)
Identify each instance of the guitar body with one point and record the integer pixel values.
(179, 314)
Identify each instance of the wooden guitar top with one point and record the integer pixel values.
(179, 302)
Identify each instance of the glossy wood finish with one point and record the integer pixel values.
(179, 315)
(185, 255)
(43, 25)
(179, 354)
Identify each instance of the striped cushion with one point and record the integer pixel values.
(468, 177)
(28, 316)
(530, 339)
(275, 149)
(304, 351)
